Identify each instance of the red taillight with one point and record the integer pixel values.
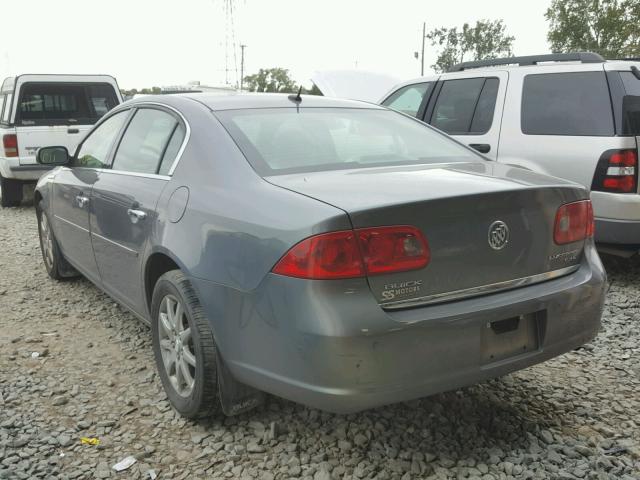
(617, 172)
(325, 256)
(574, 222)
(10, 144)
(351, 254)
(393, 249)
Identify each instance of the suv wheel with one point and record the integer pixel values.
(10, 192)
(184, 347)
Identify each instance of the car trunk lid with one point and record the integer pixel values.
(488, 226)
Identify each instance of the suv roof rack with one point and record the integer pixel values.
(583, 57)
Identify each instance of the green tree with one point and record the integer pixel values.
(270, 80)
(486, 39)
(608, 27)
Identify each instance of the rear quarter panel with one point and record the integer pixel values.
(236, 226)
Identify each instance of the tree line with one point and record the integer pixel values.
(610, 28)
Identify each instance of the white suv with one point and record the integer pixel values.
(574, 116)
(46, 110)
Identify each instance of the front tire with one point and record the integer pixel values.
(11, 192)
(183, 347)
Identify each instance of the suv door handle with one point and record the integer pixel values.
(481, 147)
(82, 201)
(136, 215)
(73, 130)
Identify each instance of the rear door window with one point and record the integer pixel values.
(172, 150)
(465, 106)
(145, 141)
(63, 104)
(409, 98)
(574, 103)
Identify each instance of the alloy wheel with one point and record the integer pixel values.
(47, 241)
(176, 345)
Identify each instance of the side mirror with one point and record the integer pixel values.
(52, 156)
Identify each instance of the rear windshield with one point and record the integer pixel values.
(61, 104)
(285, 140)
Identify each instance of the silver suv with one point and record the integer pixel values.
(575, 116)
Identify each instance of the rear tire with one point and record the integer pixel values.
(10, 192)
(183, 347)
(54, 262)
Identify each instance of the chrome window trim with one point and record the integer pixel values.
(121, 172)
(477, 291)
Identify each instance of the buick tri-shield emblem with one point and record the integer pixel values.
(498, 235)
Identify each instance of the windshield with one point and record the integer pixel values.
(287, 140)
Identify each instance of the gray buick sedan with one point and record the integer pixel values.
(335, 253)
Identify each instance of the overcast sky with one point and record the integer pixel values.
(161, 42)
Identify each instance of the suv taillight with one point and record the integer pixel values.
(617, 172)
(10, 144)
(356, 253)
(574, 222)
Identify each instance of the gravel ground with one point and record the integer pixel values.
(577, 416)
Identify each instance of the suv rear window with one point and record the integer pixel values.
(574, 103)
(62, 104)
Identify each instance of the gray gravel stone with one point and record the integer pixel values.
(575, 416)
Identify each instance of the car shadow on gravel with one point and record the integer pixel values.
(502, 416)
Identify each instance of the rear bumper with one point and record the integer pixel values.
(339, 351)
(11, 168)
(620, 232)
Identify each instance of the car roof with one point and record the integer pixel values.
(241, 101)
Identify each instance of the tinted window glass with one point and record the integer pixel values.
(483, 116)
(2, 97)
(567, 104)
(285, 141)
(144, 141)
(51, 104)
(172, 149)
(456, 104)
(408, 99)
(631, 83)
(95, 149)
(102, 98)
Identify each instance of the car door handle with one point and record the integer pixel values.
(481, 147)
(82, 201)
(73, 130)
(136, 215)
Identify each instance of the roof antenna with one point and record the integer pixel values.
(296, 98)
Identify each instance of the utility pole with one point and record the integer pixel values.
(242, 47)
(424, 34)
